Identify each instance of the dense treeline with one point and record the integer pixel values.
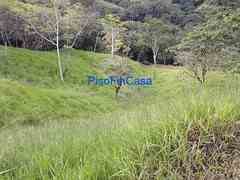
(18, 24)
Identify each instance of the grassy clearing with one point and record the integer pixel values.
(151, 142)
(31, 91)
(181, 131)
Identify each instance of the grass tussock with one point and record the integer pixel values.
(213, 154)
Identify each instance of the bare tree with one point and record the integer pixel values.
(46, 23)
(199, 62)
(57, 22)
(77, 19)
(114, 29)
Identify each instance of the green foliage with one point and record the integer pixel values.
(221, 28)
(113, 21)
(114, 32)
(159, 31)
(219, 38)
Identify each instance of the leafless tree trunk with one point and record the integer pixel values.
(79, 33)
(56, 28)
(113, 40)
(57, 44)
(155, 50)
(96, 42)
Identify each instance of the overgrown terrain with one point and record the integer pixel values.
(176, 129)
(55, 125)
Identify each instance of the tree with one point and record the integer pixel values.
(114, 29)
(200, 53)
(76, 20)
(199, 61)
(157, 36)
(11, 26)
(114, 37)
(46, 22)
(60, 23)
(213, 45)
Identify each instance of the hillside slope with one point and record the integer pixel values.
(101, 138)
(31, 91)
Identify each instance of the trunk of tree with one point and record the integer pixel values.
(96, 42)
(6, 49)
(204, 73)
(79, 33)
(155, 58)
(164, 58)
(112, 42)
(75, 39)
(155, 50)
(59, 63)
(7, 40)
(155, 55)
(57, 45)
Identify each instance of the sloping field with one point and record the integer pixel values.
(175, 129)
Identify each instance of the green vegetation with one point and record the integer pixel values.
(150, 140)
(54, 125)
(31, 91)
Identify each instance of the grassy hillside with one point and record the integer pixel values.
(31, 91)
(177, 129)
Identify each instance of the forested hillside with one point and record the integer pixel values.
(91, 32)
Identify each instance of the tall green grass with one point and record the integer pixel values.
(31, 92)
(146, 142)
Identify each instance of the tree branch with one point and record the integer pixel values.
(79, 33)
